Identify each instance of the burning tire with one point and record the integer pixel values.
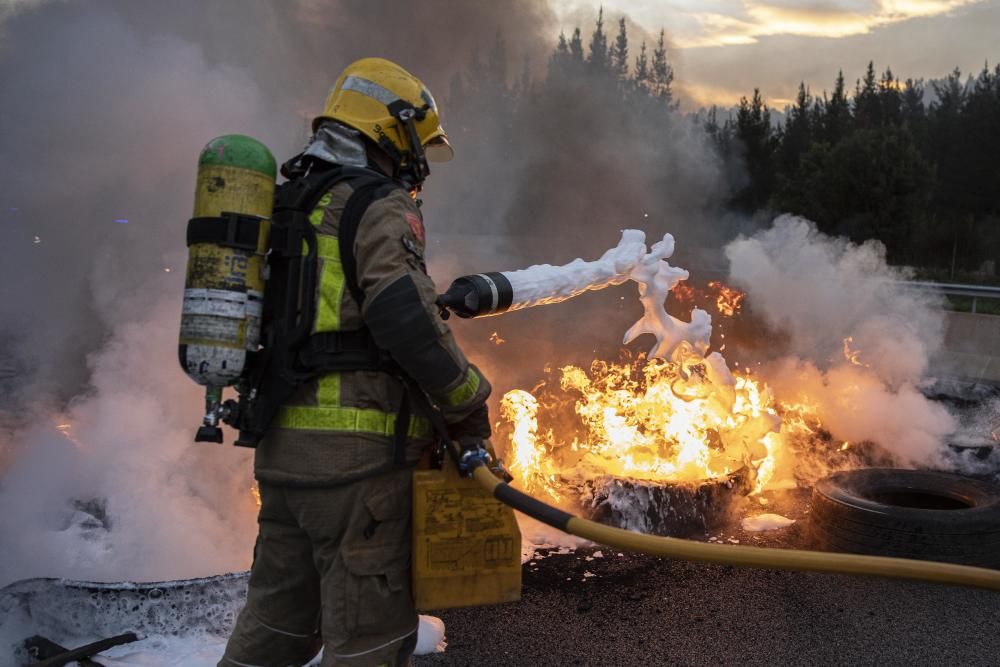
(908, 513)
(676, 509)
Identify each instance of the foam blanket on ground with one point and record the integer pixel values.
(184, 622)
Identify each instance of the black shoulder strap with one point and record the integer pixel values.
(366, 191)
(291, 355)
(303, 193)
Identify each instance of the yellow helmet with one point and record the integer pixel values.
(392, 108)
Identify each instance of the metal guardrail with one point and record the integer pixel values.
(976, 292)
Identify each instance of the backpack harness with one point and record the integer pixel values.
(291, 353)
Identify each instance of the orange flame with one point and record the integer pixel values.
(67, 432)
(683, 293)
(853, 356)
(728, 301)
(654, 420)
(496, 339)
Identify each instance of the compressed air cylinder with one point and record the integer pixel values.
(224, 286)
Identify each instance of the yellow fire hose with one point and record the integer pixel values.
(785, 559)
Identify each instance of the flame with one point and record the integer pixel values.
(853, 356)
(728, 301)
(496, 339)
(651, 419)
(255, 493)
(800, 418)
(66, 430)
(683, 293)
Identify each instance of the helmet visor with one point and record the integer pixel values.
(437, 148)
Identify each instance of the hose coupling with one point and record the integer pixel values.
(472, 457)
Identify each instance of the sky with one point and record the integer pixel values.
(723, 49)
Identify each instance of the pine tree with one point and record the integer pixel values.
(950, 94)
(598, 58)
(913, 101)
(619, 52)
(712, 123)
(945, 129)
(642, 67)
(979, 145)
(559, 61)
(816, 116)
(795, 141)
(890, 99)
(663, 73)
(576, 46)
(798, 130)
(757, 137)
(837, 113)
(867, 105)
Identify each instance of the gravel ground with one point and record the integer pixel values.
(641, 610)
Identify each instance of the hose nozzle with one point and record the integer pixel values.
(477, 295)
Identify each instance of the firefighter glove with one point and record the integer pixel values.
(476, 425)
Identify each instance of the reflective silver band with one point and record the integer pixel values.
(370, 89)
(494, 290)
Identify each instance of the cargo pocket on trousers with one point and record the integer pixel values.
(377, 560)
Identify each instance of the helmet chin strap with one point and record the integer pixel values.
(416, 170)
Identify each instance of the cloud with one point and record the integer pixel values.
(818, 19)
(924, 47)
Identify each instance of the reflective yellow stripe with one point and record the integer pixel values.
(331, 286)
(316, 217)
(330, 415)
(464, 392)
(328, 247)
(328, 392)
(348, 420)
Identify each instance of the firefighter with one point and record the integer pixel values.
(331, 562)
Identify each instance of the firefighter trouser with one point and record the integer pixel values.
(331, 568)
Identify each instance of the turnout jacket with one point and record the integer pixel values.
(341, 427)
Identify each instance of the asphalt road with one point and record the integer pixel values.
(640, 610)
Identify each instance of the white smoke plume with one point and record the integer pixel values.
(858, 341)
(120, 490)
(107, 105)
(99, 137)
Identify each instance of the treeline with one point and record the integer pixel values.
(881, 162)
(914, 165)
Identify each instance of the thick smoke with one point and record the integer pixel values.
(107, 105)
(120, 491)
(856, 342)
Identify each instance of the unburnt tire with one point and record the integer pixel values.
(907, 513)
